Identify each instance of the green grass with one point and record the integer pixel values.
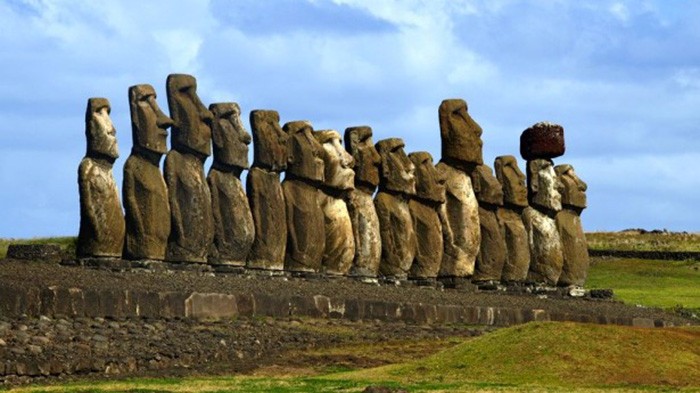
(67, 243)
(649, 283)
(536, 357)
(636, 241)
(559, 355)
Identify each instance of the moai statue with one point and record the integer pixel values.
(234, 231)
(101, 218)
(510, 216)
(192, 230)
(492, 254)
(425, 213)
(145, 193)
(365, 223)
(338, 182)
(306, 237)
(538, 145)
(264, 190)
(397, 184)
(461, 152)
(573, 239)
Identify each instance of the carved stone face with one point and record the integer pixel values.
(397, 171)
(192, 119)
(148, 123)
(486, 187)
(460, 134)
(545, 187)
(358, 142)
(512, 180)
(99, 130)
(230, 137)
(303, 151)
(574, 193)
(269, 140)
(430, 183)
(337, 163)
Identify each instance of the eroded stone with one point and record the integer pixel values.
(145, 193)
(574, 245)
(265, 194)
(397, 184)
(102, 225)
(305, 223)
(365, 222)
(425, 213)
(542, 140)
(192, 229)
(492, 253)
(339, 178)
(234, 231)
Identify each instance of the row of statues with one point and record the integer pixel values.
(346, 206)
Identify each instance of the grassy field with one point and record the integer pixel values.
(649, 283)
(67, 243)
(637, 241)
(545, 356)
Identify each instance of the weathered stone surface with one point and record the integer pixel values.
(269, 217)
(510, 217)
(338, 180)
(542, 140)
(264, 190)
(460, 134)
(145, 193)
(545, 247)
(305, 223)
(492, 253)
(365, 223)
(102, 224)
(517, 247)
(539, 219)
(397, 184)
(192, 228)
(544, 187)
(366, 232)
(234, 231)
(574, 245)
(425, 213)
(460, 224)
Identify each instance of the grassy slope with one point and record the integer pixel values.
(635, 241)
(648, 283)
(545, 356)
(560, 354)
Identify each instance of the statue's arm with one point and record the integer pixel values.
(171, 179)
(133, 210)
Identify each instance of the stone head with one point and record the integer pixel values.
(303, 151)
(230, 137)
(192, 120)
(430, 183)
(460, 134)
(543, 185)
(149, 125)
(269, 140)
(512, 180)
(397, 172)
(486, 187)
(358, 142)
(99, 130)
(574, 193)
(337, 163)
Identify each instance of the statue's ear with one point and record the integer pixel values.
(476, 184)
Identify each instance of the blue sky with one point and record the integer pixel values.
(622, 77)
